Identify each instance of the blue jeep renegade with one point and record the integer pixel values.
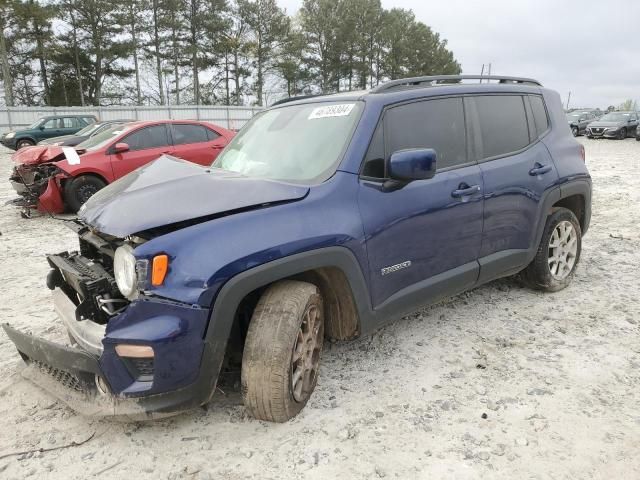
(324, 217)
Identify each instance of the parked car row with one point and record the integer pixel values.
(619, 125)
(62, 174)
(323, 217)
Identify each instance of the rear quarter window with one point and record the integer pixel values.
(503, 124)
(540, 114)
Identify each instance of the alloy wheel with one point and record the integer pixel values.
(563, 249)
(305, 358)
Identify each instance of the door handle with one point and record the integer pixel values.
(465, 190)
(539, 169)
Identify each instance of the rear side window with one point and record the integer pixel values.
(183, 134)
(71, 122)
(540, 114)
(437, 124)
(150, 137)
(503, 124)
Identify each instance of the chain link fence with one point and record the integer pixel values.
(230, 117)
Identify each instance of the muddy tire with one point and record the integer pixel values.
(80, 189)
(558, 254)
(24, 143)
(282, 351)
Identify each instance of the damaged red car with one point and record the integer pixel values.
(56, 179)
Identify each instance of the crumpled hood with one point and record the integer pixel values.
(599, 124)
(36, 155)
(170, 190)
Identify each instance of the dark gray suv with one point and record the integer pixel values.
(578, 121)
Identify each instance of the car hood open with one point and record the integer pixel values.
(169, 191)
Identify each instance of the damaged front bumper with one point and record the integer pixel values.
(92, 377)
(39, 187)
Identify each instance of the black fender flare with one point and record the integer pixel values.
(580, 186)
(235, 289)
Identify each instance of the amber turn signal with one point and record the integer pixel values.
(134, 351)
(159, 268)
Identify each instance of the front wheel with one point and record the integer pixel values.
(553, 267)
(282, 350)
(623, 134)
(81, 189)
(24, 143)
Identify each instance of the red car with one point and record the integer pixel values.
(55, 179)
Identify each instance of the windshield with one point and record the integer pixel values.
(88, 130)
(35, 124)
(573, 116)
(102, 139)
(615, 117)
(298, 143)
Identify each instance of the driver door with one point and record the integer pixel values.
(145, 145)
(423, 238)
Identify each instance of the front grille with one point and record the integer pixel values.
(67, 379)
(597, 130)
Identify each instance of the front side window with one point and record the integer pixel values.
(296, 143)
(149, 137)
(503, 124)
(51, 123)
(437, 124)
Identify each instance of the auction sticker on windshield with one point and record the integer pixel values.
(341, 110)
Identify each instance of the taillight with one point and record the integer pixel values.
(582, 154)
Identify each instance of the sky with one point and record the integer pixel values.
(590, 48)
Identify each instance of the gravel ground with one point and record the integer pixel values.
(500, 382)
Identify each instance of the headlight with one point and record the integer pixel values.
(124, 268)
(10, 135)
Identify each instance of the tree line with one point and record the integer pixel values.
(233, 52)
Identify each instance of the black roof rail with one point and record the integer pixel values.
(293, 99)
(437, 79)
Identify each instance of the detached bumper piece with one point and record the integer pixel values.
(75, 377)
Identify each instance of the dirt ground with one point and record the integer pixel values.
(557, 377)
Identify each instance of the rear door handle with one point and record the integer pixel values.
(539, 169)
(465, 190)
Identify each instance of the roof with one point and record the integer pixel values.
(79, 115)
(407, 88)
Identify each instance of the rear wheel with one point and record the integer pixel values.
(575, 131)
(25, 142)
(80, 189)
(623, 134)
(282, 351)
(558, 254)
